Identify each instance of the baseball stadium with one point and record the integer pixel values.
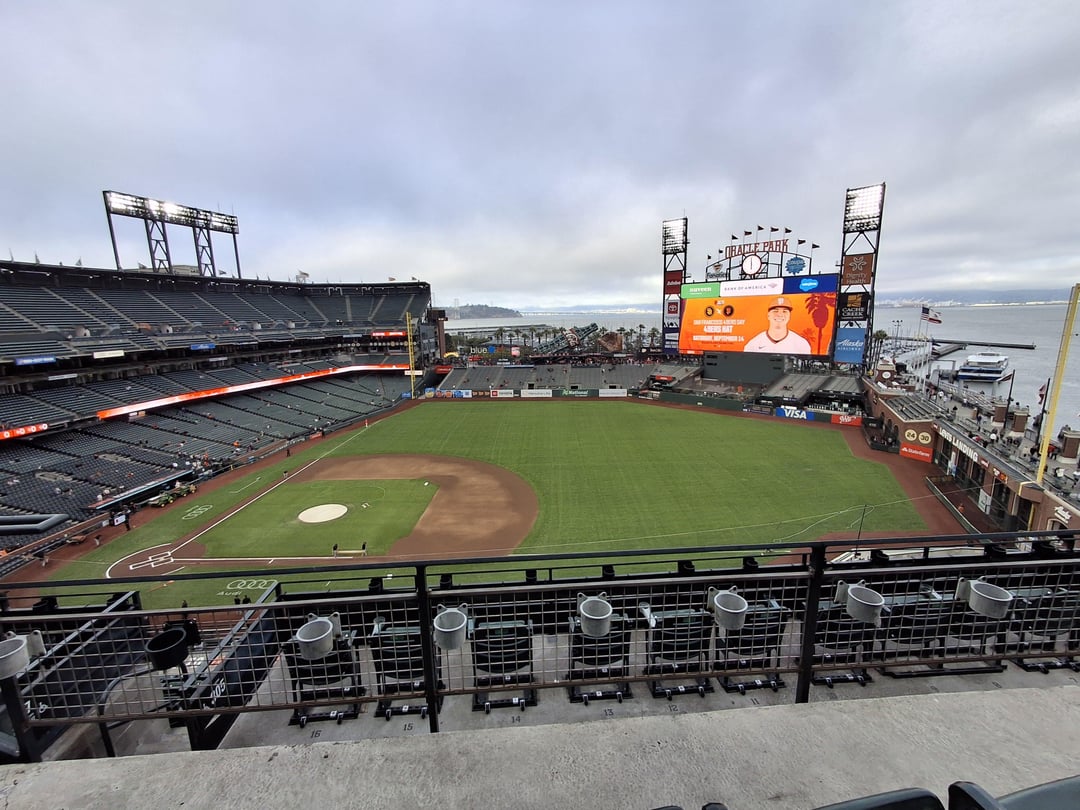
(239, 514)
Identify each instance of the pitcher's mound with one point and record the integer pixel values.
(323, 513)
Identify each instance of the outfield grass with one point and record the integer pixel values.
(609, 476)
(621, 475)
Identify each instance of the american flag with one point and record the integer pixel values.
(931, 315)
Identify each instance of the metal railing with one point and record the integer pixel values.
(516, 636)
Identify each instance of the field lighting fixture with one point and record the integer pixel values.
(130, 205)
(862, 209)
(673, 236)
(156, 214)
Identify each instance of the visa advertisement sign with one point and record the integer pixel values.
(792, 316)
(850, 344)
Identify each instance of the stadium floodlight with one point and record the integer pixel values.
(673, 236)
(131, 205)
(156, 214)
(862, 209)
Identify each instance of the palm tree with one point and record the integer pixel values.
(877, 341)
(641, 336)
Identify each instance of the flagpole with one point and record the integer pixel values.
(1044, 394)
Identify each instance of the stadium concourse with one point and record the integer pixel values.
(763, 758)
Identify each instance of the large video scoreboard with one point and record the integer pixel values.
(790, 316)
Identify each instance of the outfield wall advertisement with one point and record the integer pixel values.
(792, 315)
(527, 393)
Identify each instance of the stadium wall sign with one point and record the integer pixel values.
(846, 419)
(771, 246)
(916, 451)
(135, 407)
(35, 360)
(26, 430)
(791, 412)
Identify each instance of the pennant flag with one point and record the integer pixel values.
(391, 278)
(813, 246)
(733, 237)
(787, 230)
(802, 241)
(760, 228)
(773, 230)
(744, 233)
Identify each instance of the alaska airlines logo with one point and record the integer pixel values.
(807, 284)
(850, 343)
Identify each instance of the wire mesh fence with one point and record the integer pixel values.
(519, 635)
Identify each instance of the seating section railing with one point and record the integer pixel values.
(655, 627)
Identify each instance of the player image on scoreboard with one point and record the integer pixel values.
(789, 316)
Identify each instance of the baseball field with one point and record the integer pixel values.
(455, 478)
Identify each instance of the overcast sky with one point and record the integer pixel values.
(524, 154)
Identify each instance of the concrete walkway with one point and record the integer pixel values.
(779, 757)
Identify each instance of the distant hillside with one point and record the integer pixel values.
(471, 311)
(969, 297)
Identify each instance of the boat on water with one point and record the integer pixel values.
(988, 367)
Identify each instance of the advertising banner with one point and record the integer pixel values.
(25, 430)
(612, 392)
(502, 393)
(35, 361)
(846, 419)
(709, 289)
(791, 412)
(854, 306)
(794, 316)
(536, 393)
(916, 451)
(858, 268)
(673, 281)
(850, 344)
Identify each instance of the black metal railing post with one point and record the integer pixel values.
(20, 723)
(427, 641)
(809, 624)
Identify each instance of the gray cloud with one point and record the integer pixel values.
(525, 154)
